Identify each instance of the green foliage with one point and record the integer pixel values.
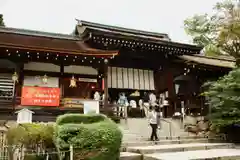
(224, 100)
(220, 32)
(1, 20)
(80, 118)
(93, 137)
(34, 136)
(29, 134)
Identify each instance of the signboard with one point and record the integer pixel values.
(91, 107)
(87, 80)
(40, 96)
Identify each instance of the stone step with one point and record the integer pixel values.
(177, 147)
(135, 137)
(130, 156)
(165, 141)
(145, 132)
(228, 154)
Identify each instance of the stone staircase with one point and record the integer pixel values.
(180, 145)
(138, 128)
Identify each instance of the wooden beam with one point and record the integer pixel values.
(106, 83)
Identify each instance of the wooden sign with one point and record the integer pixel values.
(40, 96)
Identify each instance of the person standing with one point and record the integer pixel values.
(153, 123)
(123, 103)
(140, 103)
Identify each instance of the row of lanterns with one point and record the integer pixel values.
(73, 80)
(15, 78)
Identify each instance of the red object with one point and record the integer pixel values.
(40, 96)
(103, 84)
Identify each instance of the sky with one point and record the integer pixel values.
(164, 16)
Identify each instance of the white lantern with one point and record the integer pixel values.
(45, 79)
(15, 77)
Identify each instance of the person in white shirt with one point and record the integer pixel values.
(152, 99)
(97, 96)
(153, 123)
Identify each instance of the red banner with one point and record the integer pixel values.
(40, 96)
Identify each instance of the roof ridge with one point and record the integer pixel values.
(37, 33)
(124, 29)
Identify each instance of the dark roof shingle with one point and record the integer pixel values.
(51, 44)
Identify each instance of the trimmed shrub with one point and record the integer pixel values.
(80, 118)
(93, 137)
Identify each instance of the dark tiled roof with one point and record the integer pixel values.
(47, 42)
(143, 36)
(38, 33)
(125, 30)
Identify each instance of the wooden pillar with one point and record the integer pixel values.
(171, 93)
(105, 82)
(61, 79)
(18, 85)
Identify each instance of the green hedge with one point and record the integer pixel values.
(93, 137)
(80, 118)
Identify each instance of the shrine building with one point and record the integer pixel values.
(53, 74)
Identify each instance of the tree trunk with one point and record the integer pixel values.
(238, 62)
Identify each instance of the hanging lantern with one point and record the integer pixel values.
(45, 79)
(15, 77)
(73, 82)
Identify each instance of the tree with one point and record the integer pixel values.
(218, 33)
(224, 100)
(1, 20)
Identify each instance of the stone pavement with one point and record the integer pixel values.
(233, 154)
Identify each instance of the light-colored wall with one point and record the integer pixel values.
(130, 78)
(37, 66)
(49, 67)
(37, 81)
(80, 70)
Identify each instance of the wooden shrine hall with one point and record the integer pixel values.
(96, 57)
